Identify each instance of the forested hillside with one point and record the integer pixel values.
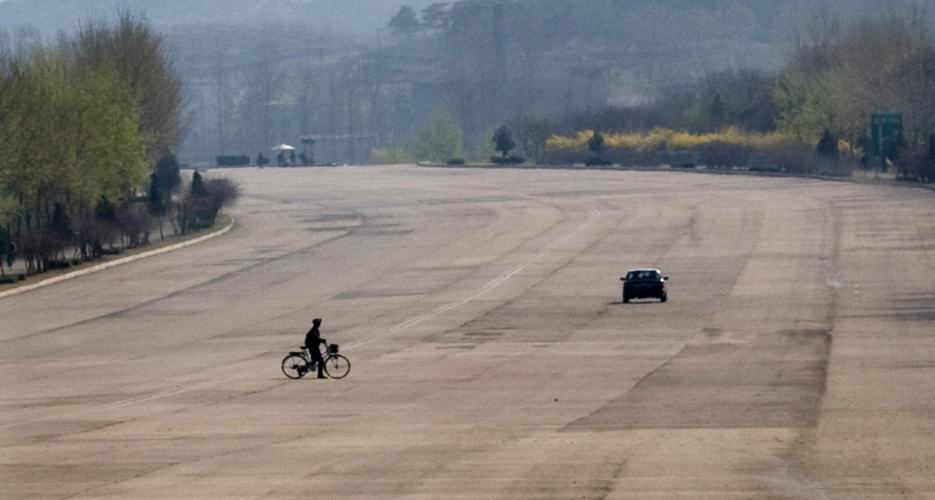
(259, 73)
(484, 62)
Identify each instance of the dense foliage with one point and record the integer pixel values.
(80, 124)
(838, 76)
(659, 138)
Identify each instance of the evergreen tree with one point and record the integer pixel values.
(198, 186)
(164, 181)
(596, 142)
(7, 250)
(828, 146)
(504, 141)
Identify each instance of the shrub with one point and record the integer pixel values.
(135, 223)
(558, 142)
(7, 280)
(93, 233)
(596, 142)
(723, 155)
(232, 161)
(201, 207)
(509, 160)
(504, 141)
(917, 166)
(456, 161)
(918, 163)
(828, 146)
(439, 139)
(795, 158)
(764, 168)
(597, 161)
(661, 138)
(224, 192)
(57, 264)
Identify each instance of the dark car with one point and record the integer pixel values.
(644, 284)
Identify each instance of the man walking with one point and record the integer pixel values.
(312, 342)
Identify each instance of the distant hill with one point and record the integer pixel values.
(348, 16)
(352, 16)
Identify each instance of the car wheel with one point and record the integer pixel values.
(663, 298)
(626, 299)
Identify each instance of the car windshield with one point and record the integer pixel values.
(643, 275)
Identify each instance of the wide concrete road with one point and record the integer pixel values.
(492, 357)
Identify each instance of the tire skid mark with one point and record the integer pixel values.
(140, 399)
(214, 281)
(594, 216)
(494, 283)
(551, 274)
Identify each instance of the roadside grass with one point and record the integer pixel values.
(222, 221)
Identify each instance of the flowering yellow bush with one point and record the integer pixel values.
(623, 141)
(561, 142)
(662, 138)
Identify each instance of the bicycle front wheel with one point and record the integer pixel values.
(337, 366)
(293, 366)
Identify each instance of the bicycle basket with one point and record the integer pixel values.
(332, 348)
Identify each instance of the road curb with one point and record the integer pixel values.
(118, 262)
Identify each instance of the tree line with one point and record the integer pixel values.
(252, 86)
(83, 123)
(841, 73)
(838, 73)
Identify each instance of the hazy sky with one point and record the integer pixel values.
(352, 16)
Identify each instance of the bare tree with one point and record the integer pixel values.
(532, 129)
(264, 82)
(374, 72)
(306, 83)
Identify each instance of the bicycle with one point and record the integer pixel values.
(297, 363)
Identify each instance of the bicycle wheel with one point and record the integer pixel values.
(337, 366)
(293, 366)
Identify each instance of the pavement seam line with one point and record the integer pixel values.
(118, 262)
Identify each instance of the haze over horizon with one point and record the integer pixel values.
(348, 16)
(368, 76)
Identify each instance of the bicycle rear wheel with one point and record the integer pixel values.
(293, 366)
(337, 366)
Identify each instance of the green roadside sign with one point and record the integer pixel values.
(884, 131)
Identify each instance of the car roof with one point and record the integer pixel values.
(643, 270)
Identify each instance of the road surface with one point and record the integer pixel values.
(492, 356)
